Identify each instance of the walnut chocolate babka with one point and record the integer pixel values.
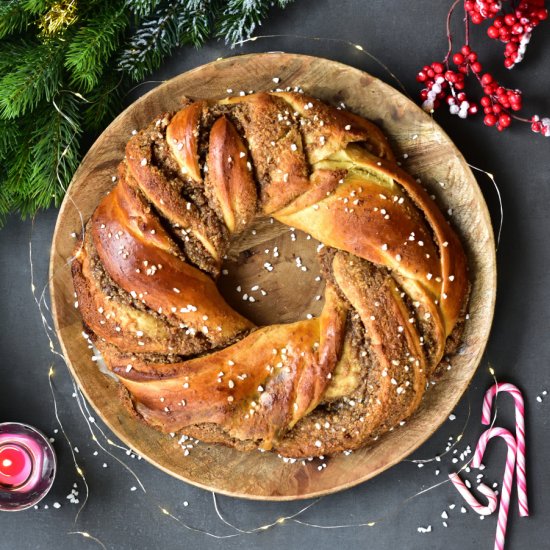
(146, 266)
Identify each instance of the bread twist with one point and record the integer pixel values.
(144, 274)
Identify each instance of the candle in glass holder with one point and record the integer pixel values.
(27, 466)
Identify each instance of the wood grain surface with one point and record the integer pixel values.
(291, 292)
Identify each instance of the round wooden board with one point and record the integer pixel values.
(431, 157)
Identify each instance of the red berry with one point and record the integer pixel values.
(509, 19)
(450, 76)
(490, 120)
(458, 59)
(517, 29)
(492, 31)
(421, 76)
(510, 48)
(504, 120)
(485, 101)
(486, 79)
(473, 109)
(476, 18)
(466, 50)
(438, 67)
(476, 67)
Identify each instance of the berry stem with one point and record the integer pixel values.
(449, 34)
(466, 29)
(520, 118)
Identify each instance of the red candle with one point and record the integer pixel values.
(27, 466)
(15, 465)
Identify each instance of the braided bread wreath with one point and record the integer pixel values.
(145, 271)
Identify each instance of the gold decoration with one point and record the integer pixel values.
(61, 15)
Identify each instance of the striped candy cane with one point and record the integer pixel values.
(521, 478)
(508, 477)
(471, 500)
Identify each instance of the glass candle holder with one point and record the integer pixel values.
(27, 466)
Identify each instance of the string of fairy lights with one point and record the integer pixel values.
(100, 438)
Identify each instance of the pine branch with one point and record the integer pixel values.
(54, 154)
(45, 157)
(92, 45)
(13, 18)
(10, 135)
(175, 23)
(238, 20)
(10, 132)
(142, 8)
(105, 102)
(35, 7)
(16, 176)
(11, 52)
(6, 200)
(36, 75)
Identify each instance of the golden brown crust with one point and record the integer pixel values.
(147, 267)
(255, 389)
(182, 137)
(230, 181)
(396, 277)
(114, 318)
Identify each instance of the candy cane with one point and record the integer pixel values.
(508, 477)
(521, 478)
(471, 500)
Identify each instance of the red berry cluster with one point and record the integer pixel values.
(497, 102)
(540, 126)
(443, 84)
(479, 10)
(436, 85)
(514, 29)
(446, 84)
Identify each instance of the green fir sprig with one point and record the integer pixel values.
(66, 65)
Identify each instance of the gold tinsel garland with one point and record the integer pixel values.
(58, 18)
